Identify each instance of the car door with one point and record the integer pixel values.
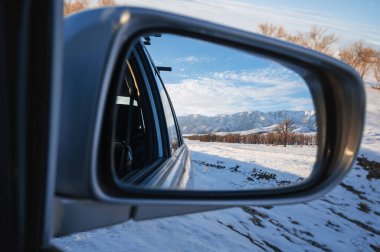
(176, 168)
(30, 78)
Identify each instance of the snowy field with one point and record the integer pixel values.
(346, 219)
(221, 166)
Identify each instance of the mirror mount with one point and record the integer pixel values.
(164, 69)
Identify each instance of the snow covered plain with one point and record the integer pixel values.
(229, 166)
(346, 219)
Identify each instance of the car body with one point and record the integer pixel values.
(170, 163)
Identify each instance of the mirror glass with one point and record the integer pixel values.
(195, 115)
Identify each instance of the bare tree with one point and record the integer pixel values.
(359, 57)
(269, 138)
(316, 38)
(105, 2)
(363, 58)
(71, 7)
(267, 29)
(284, 129)
(272, 30)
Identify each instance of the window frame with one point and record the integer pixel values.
(161, 82)
(149, 106)
(147, 69)
(144, 107)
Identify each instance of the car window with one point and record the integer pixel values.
(133, 148)
(170, 122)
(174, 133)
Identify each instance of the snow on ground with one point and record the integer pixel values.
(371, 137)
(346, 219)
(221, 166)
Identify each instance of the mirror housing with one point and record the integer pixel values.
(97, 42)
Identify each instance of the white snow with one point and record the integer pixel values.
(223, 166)
(336, 222)
(371, 137)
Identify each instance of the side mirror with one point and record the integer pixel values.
(121, 145)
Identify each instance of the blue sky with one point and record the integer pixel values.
(350, 20)
(210, 79)
(358, 11)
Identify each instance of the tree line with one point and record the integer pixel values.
(270, 138)
(364, 59)
(281, 135)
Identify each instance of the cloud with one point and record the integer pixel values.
(250, 15)
(229, 92)
(272, 75)
(193, 59)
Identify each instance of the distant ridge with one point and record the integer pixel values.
(251, 121)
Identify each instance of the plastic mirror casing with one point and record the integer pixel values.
(96, 43)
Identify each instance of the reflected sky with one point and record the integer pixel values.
(209, 79)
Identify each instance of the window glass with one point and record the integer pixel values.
(169, 116)
(172, 130)
(131, 152)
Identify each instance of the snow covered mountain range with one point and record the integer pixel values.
(249, 122)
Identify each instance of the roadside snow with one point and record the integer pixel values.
(371, 137)
(346, 219)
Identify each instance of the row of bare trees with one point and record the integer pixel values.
(316, 38)
(364, 59)
(281, 135)
(72, 6)
(270, 138)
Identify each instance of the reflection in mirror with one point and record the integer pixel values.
(247, 121)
